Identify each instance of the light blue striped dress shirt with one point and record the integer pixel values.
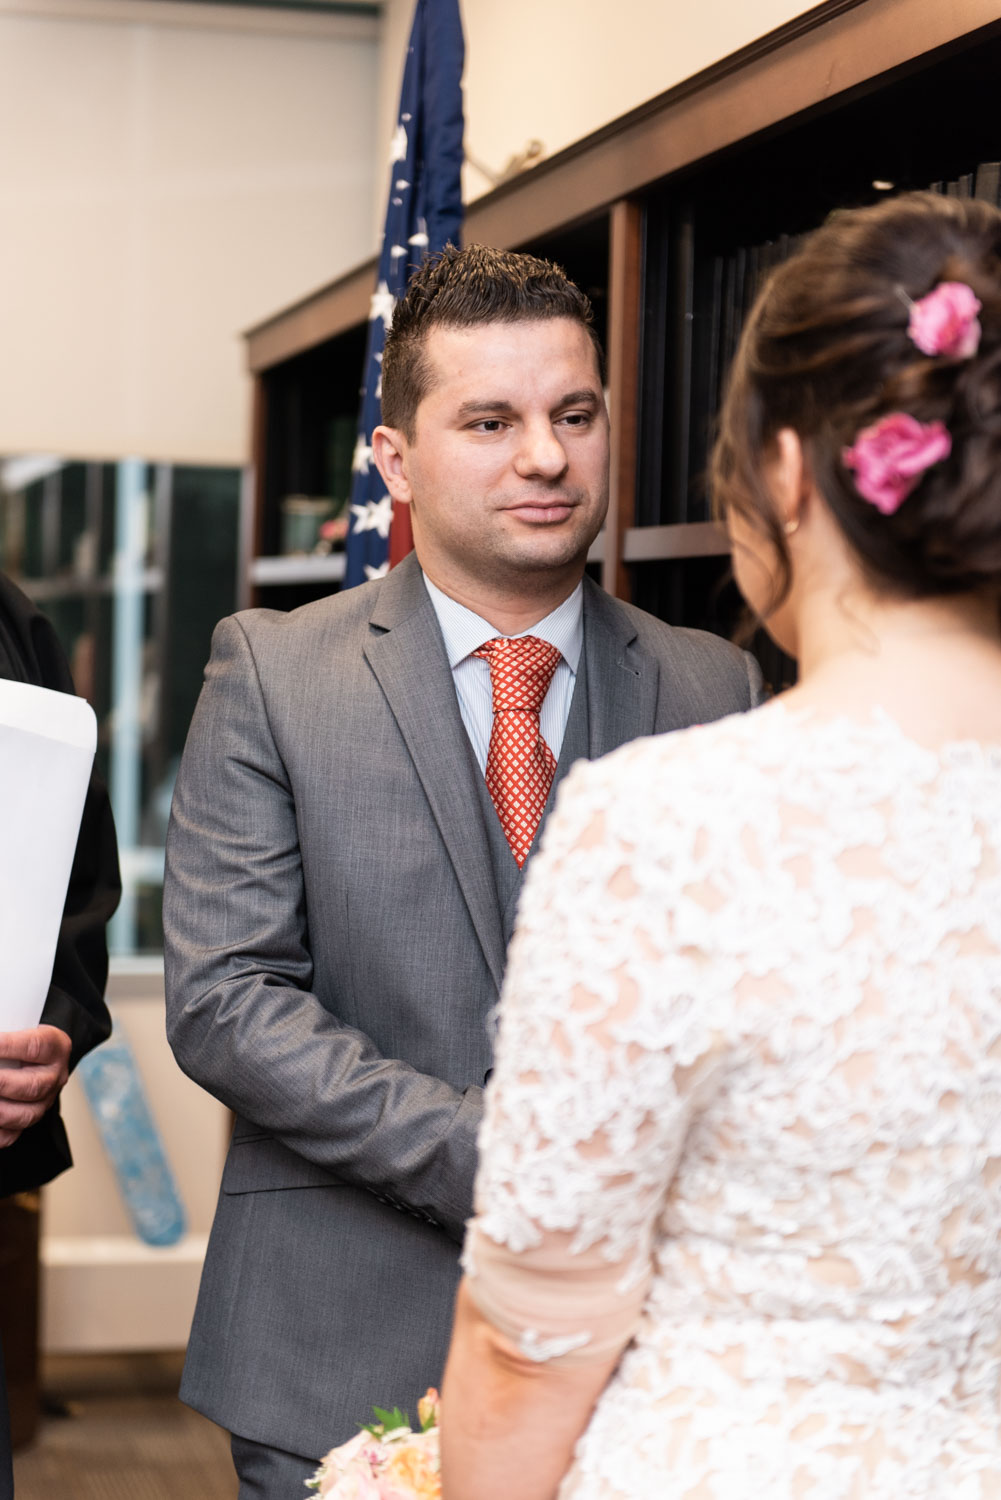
(463, 631)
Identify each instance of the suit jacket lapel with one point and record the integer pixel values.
(406, 652)
(623, 680)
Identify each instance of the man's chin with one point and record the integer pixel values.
(548, 553)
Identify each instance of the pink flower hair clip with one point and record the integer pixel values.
(890, 457)
(945, 322)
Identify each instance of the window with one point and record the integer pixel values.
(134, 563)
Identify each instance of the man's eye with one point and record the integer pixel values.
(489, 424)
(577, 418)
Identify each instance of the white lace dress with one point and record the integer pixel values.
(746, 1115)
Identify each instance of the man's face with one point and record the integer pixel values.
(507, 473)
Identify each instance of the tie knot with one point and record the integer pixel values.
(520, 671)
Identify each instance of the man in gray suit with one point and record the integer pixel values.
(341, 883)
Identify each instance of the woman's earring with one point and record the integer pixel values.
(791, 527)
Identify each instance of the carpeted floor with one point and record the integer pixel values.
(117, 1431)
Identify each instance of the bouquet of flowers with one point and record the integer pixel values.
(387, 1460)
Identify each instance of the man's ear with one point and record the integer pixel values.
(389, 450)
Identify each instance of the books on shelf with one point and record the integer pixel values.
(709, 294)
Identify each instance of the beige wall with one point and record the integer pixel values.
(171, 173)
(174, 172)
(555, 71)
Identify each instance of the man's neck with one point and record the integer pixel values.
(508, 613)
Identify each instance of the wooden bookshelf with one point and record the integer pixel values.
(295, 569)
(667, 217)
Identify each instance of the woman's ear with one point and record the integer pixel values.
(389, 450)
(790, 478)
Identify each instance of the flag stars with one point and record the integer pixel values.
(398, 145)
(374, 515)
(362, 456)
(380, 572)
(383, 305)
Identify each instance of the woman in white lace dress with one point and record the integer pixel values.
(738, 1227)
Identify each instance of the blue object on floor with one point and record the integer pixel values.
(118, 1103)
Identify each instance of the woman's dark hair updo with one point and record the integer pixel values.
(826, 352)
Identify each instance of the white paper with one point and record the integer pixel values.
(47, 744)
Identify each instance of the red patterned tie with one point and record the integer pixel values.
(520, 765)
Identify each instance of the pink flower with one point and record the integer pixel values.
(946, 322)
(351, 1465)
(354, 1485)
(890, 457)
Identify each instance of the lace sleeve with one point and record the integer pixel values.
(606, 1045)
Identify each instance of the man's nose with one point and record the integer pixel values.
(540, 452)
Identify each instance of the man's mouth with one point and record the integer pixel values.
(543, 512)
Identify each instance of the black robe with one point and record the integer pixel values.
(30, 652)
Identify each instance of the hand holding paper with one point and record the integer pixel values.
(41, 1055)
(47, 743)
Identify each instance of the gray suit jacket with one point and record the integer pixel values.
(334, 946)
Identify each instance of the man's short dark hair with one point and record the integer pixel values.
(463, 289)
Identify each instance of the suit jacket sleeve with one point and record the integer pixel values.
(75, 1000)
(757, 692)
(242, 1016)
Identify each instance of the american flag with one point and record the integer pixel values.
(423, 213)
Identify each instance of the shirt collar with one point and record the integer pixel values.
(463, 631)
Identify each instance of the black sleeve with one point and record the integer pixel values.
(75, 1001)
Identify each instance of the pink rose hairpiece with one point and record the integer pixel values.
(890, 457)
(945, 322)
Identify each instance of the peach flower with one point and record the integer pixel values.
(412, 1473)
(427, 1407)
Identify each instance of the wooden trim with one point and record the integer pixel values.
(321, 316)
(834, 47)
(286, 570)
(625, 267)
(258, 460)
(662, 543)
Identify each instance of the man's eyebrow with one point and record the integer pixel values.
(477, 407)
(585, 397)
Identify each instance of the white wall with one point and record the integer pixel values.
(170, 174)
(555, 71)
